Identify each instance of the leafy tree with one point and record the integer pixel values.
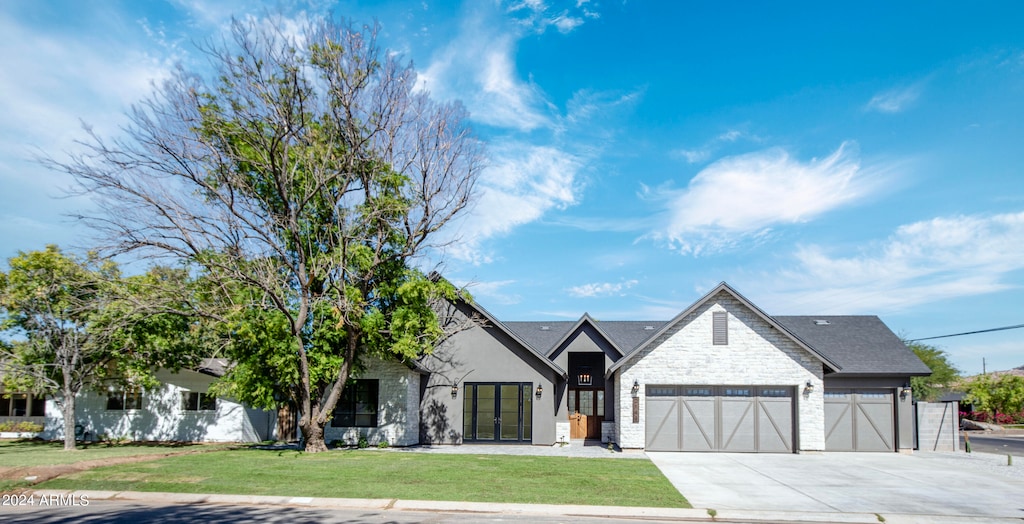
(1002, 394)
(944, 373)
(72, 324)
(300, 182)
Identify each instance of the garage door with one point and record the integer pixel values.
(720, 418)
(859, 420)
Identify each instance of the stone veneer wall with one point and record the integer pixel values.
(398, 418)
(757, 354)
(938, 426)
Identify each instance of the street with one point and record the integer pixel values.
(995, 443)
(134, 512)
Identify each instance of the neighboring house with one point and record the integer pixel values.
(720, 376)
(180, 409)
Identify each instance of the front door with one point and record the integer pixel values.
(586, 412)
(501, 412)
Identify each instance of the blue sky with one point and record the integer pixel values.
(821, 158)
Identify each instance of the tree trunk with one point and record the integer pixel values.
(68, 410)
(313, 435)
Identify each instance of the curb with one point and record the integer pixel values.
(549, 510)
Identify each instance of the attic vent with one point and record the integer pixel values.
(648, 328)
(720, 328)
(545, 328)
(822, 323)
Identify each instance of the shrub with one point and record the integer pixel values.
(23, 426)
(363, 443)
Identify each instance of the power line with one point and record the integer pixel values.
(969, 333)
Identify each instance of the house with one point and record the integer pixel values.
(180, 409)
(721, 376)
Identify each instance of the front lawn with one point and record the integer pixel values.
(21, 453)
(392, 474)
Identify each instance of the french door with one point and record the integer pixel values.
(498, 412)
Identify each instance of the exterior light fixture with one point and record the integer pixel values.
(636, 387)
(905, 391)
(540, 390)
(455, 390)
(809, 387)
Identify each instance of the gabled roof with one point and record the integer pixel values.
(548, 336)
(861, 344)
(723, 287)
(515, 337)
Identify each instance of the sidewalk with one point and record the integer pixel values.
(546, 510)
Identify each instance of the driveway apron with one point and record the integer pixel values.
(925, 483)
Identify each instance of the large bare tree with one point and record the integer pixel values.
(302, 178)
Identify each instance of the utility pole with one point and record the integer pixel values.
(983, 372)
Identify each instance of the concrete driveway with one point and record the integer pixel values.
(925, 483)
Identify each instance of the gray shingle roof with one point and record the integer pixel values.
(861, 344)
(625, 334)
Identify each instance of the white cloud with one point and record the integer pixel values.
(478, 67)
(743, 197)
(493, 292)
(524, 182)
(703, 153)
(600, 289)
(922, 262)
(895, 100)
(537, 15)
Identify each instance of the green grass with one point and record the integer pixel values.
(399, 475)
(18, 453)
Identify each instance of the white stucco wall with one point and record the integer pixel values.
(162, 417)
(757, 354)
(398, 416)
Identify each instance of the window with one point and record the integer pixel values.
(22, 405)
(121, 400)
(196, 401)
(357, 406)
(720, 328)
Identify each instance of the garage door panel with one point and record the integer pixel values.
(775, 424)
(874, 417)
(737, 420)
(699, 428)
(662, 426)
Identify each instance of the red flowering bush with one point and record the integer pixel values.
(999, 418)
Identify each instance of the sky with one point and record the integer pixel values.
(823, 158)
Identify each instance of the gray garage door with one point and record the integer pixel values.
(859, 420)
(720, 418)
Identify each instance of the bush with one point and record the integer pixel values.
(363, 443)
(999, 418)
(20, 427)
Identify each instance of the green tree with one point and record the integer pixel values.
(73, 324)
(1002, 394)
(300, 181)
(944, 373)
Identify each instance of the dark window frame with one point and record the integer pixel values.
(124, 400)
(359, 405)
(198, 401)
(22, 405)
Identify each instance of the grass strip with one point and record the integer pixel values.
(392, 474)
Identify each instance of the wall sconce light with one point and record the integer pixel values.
(455, 390)
(540, 390)
(636, 387)
(905, 391)
(809, 387)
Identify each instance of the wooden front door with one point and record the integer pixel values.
(586, 412)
